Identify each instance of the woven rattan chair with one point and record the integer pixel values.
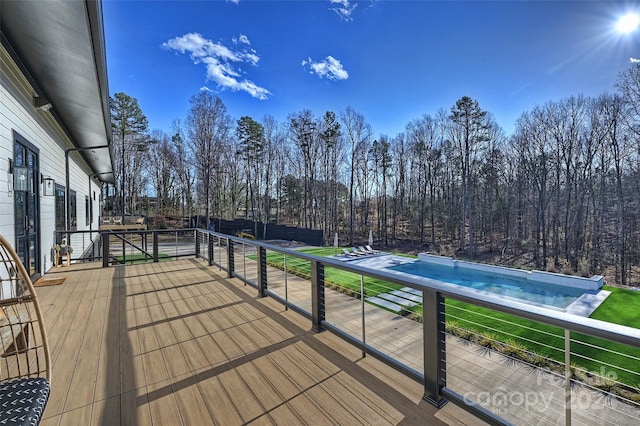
(25, 366)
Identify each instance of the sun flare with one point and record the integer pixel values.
(628, 23)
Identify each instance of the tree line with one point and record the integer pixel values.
(562, 190)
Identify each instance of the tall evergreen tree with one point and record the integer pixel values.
(129, 127)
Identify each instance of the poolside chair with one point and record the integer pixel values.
(25, 365)
(364, 250)
(358, 252)
(371, 250)
(348, 253)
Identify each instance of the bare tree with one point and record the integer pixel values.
(183, 166)
(532, 141)
(330, 133)
(356, 132)
(208, 128)
(469, 133)
(628, 84)
(275, 164)
(250, 135)
(619, 146)
(381, 158)
(425, 138)
(161, 157)
(399, 173)
(304, 134)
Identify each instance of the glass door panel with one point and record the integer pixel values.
(26, 210)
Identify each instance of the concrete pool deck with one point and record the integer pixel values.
(397, 300)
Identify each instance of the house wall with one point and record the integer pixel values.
(39, 128)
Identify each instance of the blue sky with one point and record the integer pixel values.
(392, 61)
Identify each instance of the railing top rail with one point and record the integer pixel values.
(609, 331)
(128, 231)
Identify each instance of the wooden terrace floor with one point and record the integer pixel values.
(176, 343)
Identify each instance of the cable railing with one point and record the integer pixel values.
(121, 247)
(506, 362)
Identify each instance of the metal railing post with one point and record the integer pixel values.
(262, 271)
(211, 259)
(197, 244)
(230, 258)
(567, 377)
(364, 334)
(286, 289)
(105, 250)
(156, 255)
(317, 295)
(434, 347)
(244, 263)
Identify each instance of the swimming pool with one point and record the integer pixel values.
(534, 287)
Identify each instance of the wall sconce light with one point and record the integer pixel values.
(48, 186)
(41, 103)
(10, 178)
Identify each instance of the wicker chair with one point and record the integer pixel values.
(25, 366)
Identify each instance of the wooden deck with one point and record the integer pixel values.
(176, 343)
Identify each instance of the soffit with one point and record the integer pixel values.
(61, 46)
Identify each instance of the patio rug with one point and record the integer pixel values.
(49, 281)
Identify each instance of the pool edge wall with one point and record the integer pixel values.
(594, 283)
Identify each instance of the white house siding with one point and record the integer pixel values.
(17, 113)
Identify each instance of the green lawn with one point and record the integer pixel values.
(544, 341)
(333, 276)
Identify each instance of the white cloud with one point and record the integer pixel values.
(330, 67)
(221, 62)
(344, 9)
(234, 1)
(205, 89)
(634, 60)
(242, 39)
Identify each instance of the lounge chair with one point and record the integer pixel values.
(371, 250)
(348, 253)
(358, 252)
(364, 250)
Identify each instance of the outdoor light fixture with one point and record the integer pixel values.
(10, 178)
(48, 186)
(42, 103)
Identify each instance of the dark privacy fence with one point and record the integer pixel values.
(271, 231)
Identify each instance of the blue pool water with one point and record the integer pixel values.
(538, 293)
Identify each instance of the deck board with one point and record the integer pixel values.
(177, 343)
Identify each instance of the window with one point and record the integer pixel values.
(60, 211)
(73, 209)
(59, 194)
(87, 209)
